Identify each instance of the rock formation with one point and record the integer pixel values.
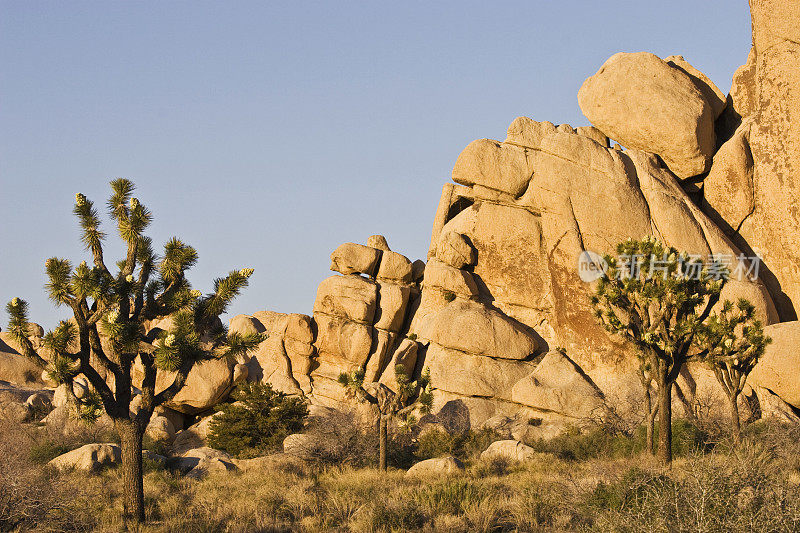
(498, 312)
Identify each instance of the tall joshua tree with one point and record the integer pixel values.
(109, 333)
(410, 395)
(731, 343)
(658, 299)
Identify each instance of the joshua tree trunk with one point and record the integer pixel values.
(382, 438)
(131, 433)
(664, 420)
(651, 425)
(736, 424)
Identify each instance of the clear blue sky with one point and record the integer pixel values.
(267, 133)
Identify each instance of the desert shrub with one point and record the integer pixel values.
(740, 492)
(31, 497)
(464, 446)
(257, 422)
(451, 496)
(580, 445)
(397, 516)
(338, 438)
(449, 296)
(496, 465)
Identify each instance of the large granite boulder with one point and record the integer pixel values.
(645, 103)
(767, 91)
(90, 457)
(436, 466)
(779, 368)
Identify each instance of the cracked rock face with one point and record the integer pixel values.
(754, 185)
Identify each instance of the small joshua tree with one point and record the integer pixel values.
(658, 299)
(731, 343)
(118, 307)
(410, 395)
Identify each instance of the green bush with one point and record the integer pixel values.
(580, 445)
(464, 446)
(257, 422)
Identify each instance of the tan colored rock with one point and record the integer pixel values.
(644, 103)
(508, 262)
(455, 250)
(395, 267)
(777, 370)
(350, 297)
(728, 189)
(510, 449)
(743, 87)
(343, 338)
(446, 278)
(594, 134)
(565, 128)
(90, 457)
(474, 375)
(380, 354)
(193, 437)
(437, 466)
(773, 406)
(298, 445)
(392, 304)
(245, 325)
(529, 133)
(494, 165)
(773, 229)
(417, 270)
(14, 410)
(404, 356)
(160, 429)
(713, 95)
(199, 462)
(558, 384)
(15, 368)
(351, 258)
(208, 383)
(378, 242)
(271, 364)
(473, 328)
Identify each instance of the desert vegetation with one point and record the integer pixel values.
(588, 483)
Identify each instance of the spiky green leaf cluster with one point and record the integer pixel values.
(732, 341)
(653, 294)
(84, 209)
(180, 344)
(225, 290)
(240, 345)
(178, 257)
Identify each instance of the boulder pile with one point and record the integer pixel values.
(498, 311)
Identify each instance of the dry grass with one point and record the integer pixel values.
(754, 488)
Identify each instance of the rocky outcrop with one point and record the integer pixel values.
(755, 189)
(779, 368)
(647, 104)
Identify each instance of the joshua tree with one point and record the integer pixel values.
(731, 343)
(658, 299)
(109, 331)
(409, 396)
(646, 379)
